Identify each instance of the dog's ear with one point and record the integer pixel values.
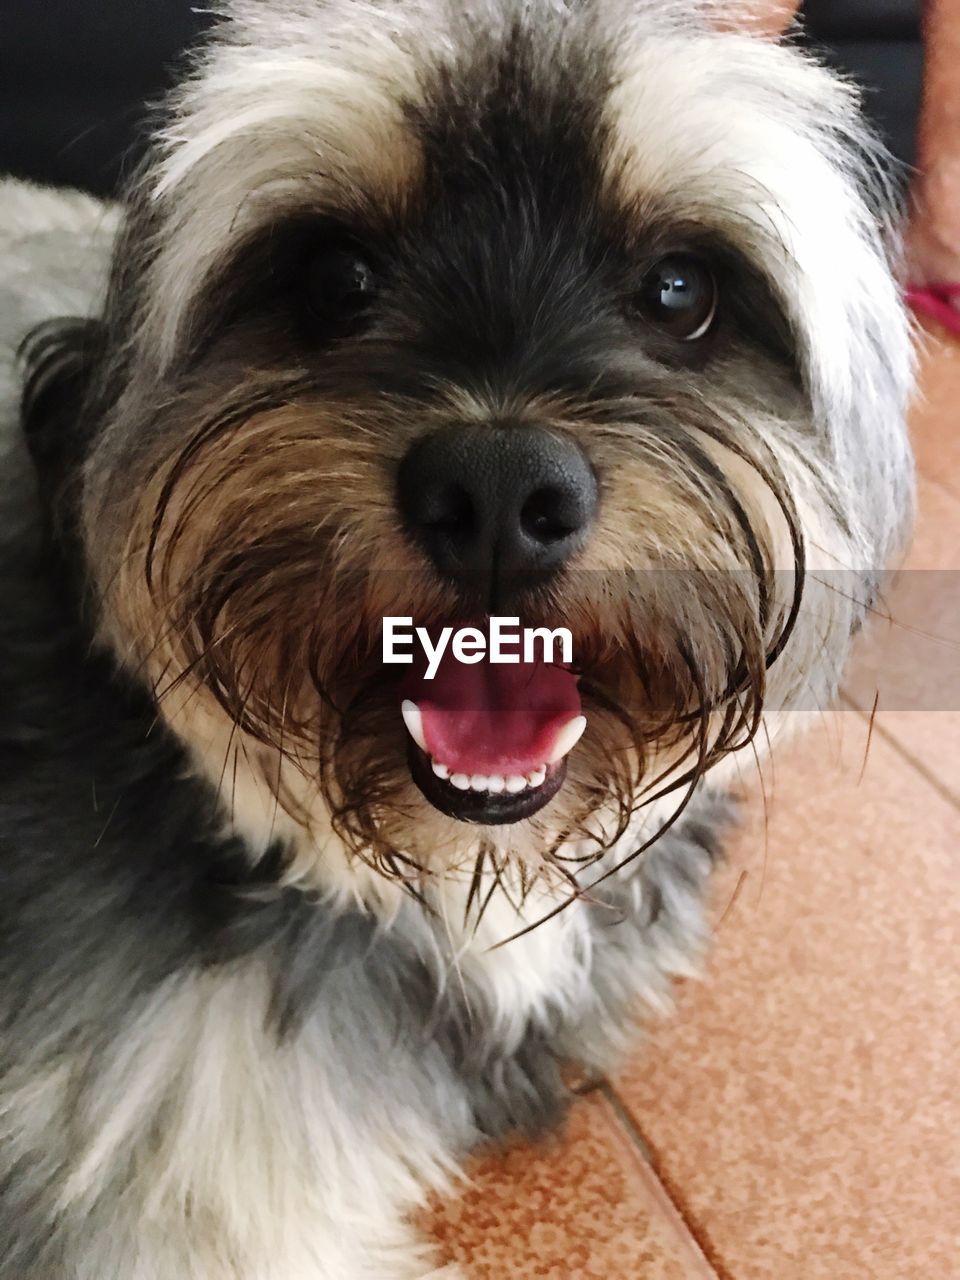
(854, 342)
(61, 359)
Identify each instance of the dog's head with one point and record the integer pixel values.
(575, 314)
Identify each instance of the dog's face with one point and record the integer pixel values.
(569, 315)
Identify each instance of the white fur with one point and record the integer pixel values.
(763, 142)
(248, 1158)
(301, 106)
(253, 1159)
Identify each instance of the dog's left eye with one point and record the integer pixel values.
(340, 284)
(679, 296)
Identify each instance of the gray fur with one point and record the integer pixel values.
(217, 1066)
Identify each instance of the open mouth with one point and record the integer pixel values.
(488, 742)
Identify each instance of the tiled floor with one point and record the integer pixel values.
(799, 1116)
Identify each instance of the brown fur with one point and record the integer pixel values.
(265, 552)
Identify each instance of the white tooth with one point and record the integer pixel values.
(460, 781)
(537, 776)
(515, 783)
(567, 738)
(440, 770)
(479, 782)
(414, 722)
(496, 784)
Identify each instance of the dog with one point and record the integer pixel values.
(576, 314)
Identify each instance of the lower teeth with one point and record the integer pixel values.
(493, 785)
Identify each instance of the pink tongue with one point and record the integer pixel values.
(493, 718)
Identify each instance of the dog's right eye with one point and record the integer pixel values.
(679, 297)
(339, 285)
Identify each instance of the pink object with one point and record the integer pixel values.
(937, 302)
(491, 718)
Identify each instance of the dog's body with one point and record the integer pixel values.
(253, 1008)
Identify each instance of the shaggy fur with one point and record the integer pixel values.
(255, 1002)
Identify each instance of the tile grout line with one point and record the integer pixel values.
(951, 797)
(697, 1236)
(626, 1119)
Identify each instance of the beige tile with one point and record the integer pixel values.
(582, 1207)
(930, 741)
(803, 1104)
(907, 662)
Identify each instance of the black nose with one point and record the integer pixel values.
(497, 509)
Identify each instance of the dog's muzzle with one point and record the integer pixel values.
(498, 511)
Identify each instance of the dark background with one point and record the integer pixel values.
(75, 75)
